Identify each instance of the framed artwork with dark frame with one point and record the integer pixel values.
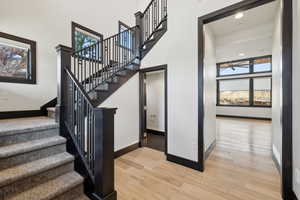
(17, 59)
(87, 43)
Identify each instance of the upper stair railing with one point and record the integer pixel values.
(97, 63)
(152, 19)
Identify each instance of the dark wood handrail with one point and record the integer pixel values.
(149, 5)
(80, 88)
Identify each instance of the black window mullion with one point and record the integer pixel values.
(251, 67)
(251, 92)
(218, 92)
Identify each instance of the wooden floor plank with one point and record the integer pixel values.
(239, 168)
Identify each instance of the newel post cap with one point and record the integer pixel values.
(61, 47)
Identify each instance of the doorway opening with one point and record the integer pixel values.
(153, 108)
(253, 82)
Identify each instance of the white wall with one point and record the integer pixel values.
(296, 94)
(209, 88)
(155, 94)
(178, 48)
(245, 111)
(277, 87)
(49, 23)
(127, 115)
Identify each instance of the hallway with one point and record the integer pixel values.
(239, 168)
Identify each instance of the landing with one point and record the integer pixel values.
(13, 126)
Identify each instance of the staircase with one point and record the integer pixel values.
(34, 164)
(72, 157)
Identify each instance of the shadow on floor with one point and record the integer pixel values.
(156, 142)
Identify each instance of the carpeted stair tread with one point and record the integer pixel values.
(15, 126)
(16, 173)
(15, 149)
(51, 189)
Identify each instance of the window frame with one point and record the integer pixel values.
(251, 92)
(120, 24)
(92, 32)
(31, 68)
(251, 66)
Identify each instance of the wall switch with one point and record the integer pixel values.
(297, 174)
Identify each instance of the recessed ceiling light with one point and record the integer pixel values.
(239, 15)
(241, 54)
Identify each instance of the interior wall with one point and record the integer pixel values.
(277, 87)
(155, 97)
(254, 112)
(253, 42)
(179, 49)
(48, 22)
(296, 97)
(127, 115)
(210, 87)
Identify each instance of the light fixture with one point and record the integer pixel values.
(241, 54)
(239, 15)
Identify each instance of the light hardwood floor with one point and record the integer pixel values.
(239, 168)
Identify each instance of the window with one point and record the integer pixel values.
(245, 87)
(256, 91)
(126, 36)
(262, 91)
(262, 65)
(17, 59)
(82, 38)
(234, 92)
(246, 66)
(234, 68)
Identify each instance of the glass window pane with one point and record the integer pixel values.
(126, 37)
(14, 59)
(234, 68)
(262, 91)
(84, 39)
(262, 65)
(234, 92)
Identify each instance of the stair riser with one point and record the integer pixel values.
(132, 67)
(31, 156)
(122, 73)
(71, 194)
(26, 137)
(30, 182)
(51, 114)
(104, 87)
(113, 80)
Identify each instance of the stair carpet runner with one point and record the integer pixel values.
(34, 164)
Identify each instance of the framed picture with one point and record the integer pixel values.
(17, 59)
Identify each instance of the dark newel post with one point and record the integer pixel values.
(140, 35)
(63, 61)
(104, 154)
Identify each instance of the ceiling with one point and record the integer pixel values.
(253, 17)
(250, 36)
